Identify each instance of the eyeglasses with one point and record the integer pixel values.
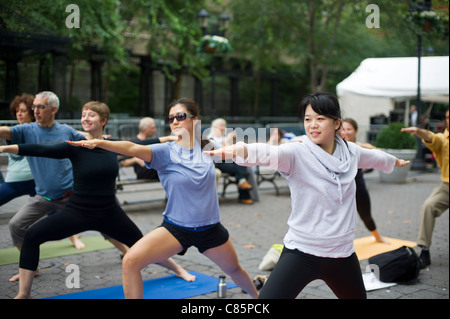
(40, 107)
(179, 116)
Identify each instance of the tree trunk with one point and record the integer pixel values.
(312, 45)
(318, 69)
(256, 95)
(178, 78)
(107, 82)
(71, 83)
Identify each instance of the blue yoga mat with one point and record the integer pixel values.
(169, 287)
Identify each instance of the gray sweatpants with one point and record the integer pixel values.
(35, 208)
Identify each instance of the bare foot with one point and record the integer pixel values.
(75, 239)
(16, 277)
(185, 275)
(20, 296)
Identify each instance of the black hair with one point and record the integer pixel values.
(322, 103)
(192, 108)
(190, 105)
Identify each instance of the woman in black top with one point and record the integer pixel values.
(92, 206)
(348, 132)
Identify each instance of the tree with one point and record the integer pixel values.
(173, 33)
(324, 40)
(171, 27)
(100, 23)
(89, 23)
(293, 32)
(320, 42)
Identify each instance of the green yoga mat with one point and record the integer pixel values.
(57, 249)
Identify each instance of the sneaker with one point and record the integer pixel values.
(424, 258)
(246, 201)
(244, 185)
(259, 281)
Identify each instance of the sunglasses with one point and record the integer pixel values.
(179, 116)
(40, 107)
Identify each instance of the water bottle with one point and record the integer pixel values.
(222, 287)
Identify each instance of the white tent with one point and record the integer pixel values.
(375, 86)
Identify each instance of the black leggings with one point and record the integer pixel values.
(363, 202)
(296, 269)
(101, 213)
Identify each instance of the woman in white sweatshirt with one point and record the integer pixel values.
(321, 172)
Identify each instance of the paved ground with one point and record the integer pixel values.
(253, 230)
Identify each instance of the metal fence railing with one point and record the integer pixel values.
(127, 128)
(118, 128)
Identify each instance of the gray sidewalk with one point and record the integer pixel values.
(253, 229)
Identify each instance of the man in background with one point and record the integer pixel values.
(438, 202)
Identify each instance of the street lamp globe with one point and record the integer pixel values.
(223, 20)
(203, 18)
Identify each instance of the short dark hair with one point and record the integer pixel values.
(100, 108)
(322, 103)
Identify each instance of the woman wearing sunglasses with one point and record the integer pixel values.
(93, 204)
(192, 216)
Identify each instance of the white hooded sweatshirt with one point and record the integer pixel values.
(323, 217)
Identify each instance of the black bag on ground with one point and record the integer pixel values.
(400, 265)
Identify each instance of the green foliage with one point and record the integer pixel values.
(425, 22)
(324, 39)
(100, 22)
(391, 137)
(316, 42)
(172, 29)
(213, 44)
(431, 24)
(125, 85)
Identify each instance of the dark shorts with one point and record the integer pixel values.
(205, 239)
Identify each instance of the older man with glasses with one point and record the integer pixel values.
(53, 177)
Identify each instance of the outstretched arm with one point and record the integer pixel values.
(154, 140)
(275, 157)
(229, 152)
(58, 150)
(425, 135)
(121, 147)
(12, 149)
(5, 133)
(380, 160)
(401, 162)
(169, 138)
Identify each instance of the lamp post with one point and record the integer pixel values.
(419, 161)
(203, 20)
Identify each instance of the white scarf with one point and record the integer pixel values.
(336, 164)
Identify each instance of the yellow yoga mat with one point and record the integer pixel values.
(57, 249)
(367, 247)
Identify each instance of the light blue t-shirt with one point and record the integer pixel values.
(18, 169)
(53, 177)
(189, 179)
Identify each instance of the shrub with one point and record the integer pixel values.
(391, 137)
